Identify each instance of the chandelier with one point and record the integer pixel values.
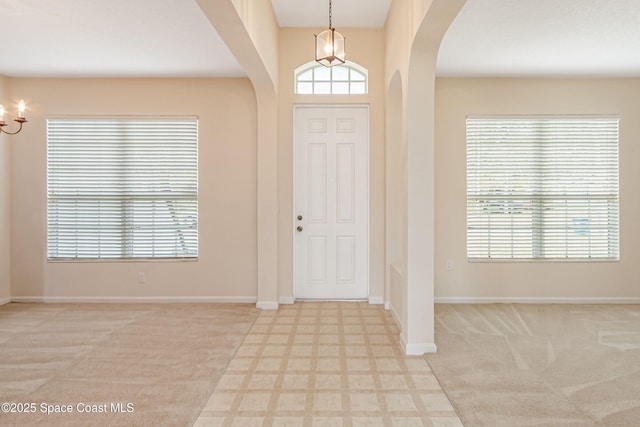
(20, 118)
(330, 45)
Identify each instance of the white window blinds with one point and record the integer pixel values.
(542, 188)
(122, 188)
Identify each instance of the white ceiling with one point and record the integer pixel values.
(173, 38)
(543, 38)
(110, 38)
(346, 13)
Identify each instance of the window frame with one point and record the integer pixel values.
(542, 202)
(314, 68)
(129, 193)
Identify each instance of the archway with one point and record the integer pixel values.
(418, 333)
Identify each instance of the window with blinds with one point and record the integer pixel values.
(122, 188)
(542, 188)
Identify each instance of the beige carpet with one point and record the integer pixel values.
(326, 364)
(162, 359)
(540, 365)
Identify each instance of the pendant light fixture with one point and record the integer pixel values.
(330, 45)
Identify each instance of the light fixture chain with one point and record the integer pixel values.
(330, 15)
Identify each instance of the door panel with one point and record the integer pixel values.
(317, 259)
(346, 180)
(332, 198)
(317, 198)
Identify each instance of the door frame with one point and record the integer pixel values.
(296, 108)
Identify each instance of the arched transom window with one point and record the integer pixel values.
(347, 79)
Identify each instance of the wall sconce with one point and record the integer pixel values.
(20, 118)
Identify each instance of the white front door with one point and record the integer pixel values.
(331, 209)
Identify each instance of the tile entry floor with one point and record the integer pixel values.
(326, 364)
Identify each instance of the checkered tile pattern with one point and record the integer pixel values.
(326, 364)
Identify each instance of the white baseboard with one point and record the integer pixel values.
(286, 300)
(376, 300)
(140, 300)
(27, 299)
(4, 301)
(267, 305)
(535, 300)
(387, 305)
(417, 349)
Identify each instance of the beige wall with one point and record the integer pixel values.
(227, 189)
(5, 196)
(457, 98)
(365, 47)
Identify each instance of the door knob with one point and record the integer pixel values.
(299, 217)
(299, 228)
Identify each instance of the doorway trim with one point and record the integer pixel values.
(296, 108)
